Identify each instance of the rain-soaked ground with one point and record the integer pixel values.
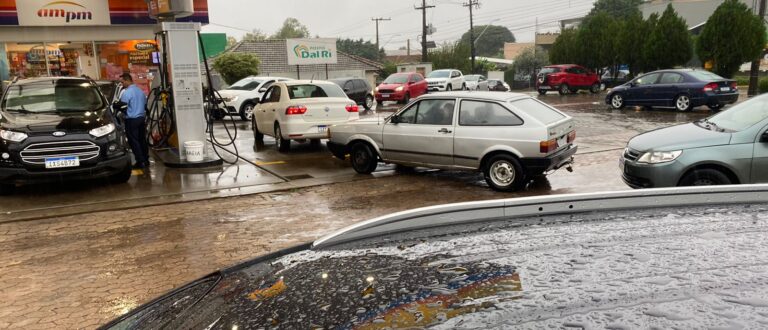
(78, 255)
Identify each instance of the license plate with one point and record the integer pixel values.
(725, 89)
(62, 162)
(544, 87)
(322, 129)
(384, 95)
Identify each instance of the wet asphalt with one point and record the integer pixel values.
(76, 255)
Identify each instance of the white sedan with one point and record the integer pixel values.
(301, 110)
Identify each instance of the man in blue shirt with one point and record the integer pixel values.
(135, 120)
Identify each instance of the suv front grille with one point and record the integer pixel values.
(36, 153)
(386, 91)
(434, 83)
(631, 154)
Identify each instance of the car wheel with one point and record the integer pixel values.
(705, 177)
(603, 86)
(449, 88)
(123, 176)
(595, 88)
(542, 92)
(406, 98)
(504, 173)
(617, 101)
(257, 135)
(364, 159)
(715, 107)
(564, 89)
(683, 103)
(246, 112)
(464, 87)
(368, 102)
(281, 144)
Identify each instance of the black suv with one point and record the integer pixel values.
(357, 90)
(56, 129)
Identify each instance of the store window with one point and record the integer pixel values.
(29, 60)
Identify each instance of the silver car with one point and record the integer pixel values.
(730, 147)
(511, 138)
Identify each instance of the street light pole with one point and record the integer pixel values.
(423, 9)
(754, 70)
(377, 20)
(470, 4)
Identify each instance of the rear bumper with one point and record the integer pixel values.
(102, 169)
(722, 99)
(552, 162)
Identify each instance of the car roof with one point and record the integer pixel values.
(304, 82)
(44, 79)
(494, 96)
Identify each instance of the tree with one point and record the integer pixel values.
(648, 59)
(670, 42)
(597, 40)
(236, 66)
(618, 9)
(256, 35)
(632, 32)
(566, 47)
(361, 48)
(732, 36)
(451, 56)
(491, 42)
(529, 60)
(231, 41)
(292, 28)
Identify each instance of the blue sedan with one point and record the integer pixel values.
(682, 89)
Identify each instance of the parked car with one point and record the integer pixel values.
(476, 82)
(446, 80)
(301, 110)
(728, 148)
(401, 87)
(509, 137)
(498, 85)
(357, 90)
(661, 259)
(56, 129)
(681, 89)
(607, 80)
(241, 98)
(566, 79)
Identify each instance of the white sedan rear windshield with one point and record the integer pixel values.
(309, 91)
(538, 110)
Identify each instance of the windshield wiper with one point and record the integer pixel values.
(712, 126)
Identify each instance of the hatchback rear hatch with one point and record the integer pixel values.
(327, 109)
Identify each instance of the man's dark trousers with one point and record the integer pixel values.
(136, 131)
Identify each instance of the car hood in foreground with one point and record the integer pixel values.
(680, 137)
(40, 123)
(628, 265)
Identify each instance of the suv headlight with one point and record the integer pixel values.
(376, 90)
(103, 130)
(12, 136)
(399, 89)
(656, 157)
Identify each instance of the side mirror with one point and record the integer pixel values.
(410, 83)
(263, 90)
(764, 137)
(346, 90)
(395, 119)
(120, 106)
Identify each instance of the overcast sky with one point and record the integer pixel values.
(352, 18)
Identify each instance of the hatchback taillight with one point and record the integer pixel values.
(572, 136)
(710, 87)
(296, 110)
(546, 147)
(352, 108)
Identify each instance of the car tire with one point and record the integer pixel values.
(595, 88)
(542, 92)
(123, 176)
(683, 103)
(246, 111)
(364, 158)
(281, 144)
(368, 102)
(257, 135)
(504, 173)
(705, 177)
(464, 87)
(406, 98)
(449, 88)
(564, 89)
(617, 101)
(715, 107)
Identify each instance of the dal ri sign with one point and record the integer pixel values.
(311, 51)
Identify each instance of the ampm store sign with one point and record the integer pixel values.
(311, 51)
(85, 12)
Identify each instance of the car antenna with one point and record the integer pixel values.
(313, 78)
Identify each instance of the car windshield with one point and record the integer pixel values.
(246, 84)
(471, 78)
(743, 115)
(439, 74)
(312, 91)
(61, 95)
(705, 75)
(397, 79)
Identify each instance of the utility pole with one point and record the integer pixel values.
(470, 4)
(377, 20)
(423, 9)
(753, 72)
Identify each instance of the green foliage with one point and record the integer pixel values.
(291, 29)
(236, 66)
(256, 35)
(618, 9)
(389, 68)
(597, 40)
(648, 62)
(566, 48)
(529, 61)
(632, 31)
(231, 41)
(669, 43)
(762, 86)
(361, 48)
(451, 56)
(732, 36)
(491, 42)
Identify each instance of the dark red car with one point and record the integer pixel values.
(566, 79)
(401, 87)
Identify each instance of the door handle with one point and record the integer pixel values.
(444, 130)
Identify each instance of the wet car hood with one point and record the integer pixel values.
(232, 92)
(692, 268)
(439, 80)
(390, 86)
(680, 137)
(32, 124)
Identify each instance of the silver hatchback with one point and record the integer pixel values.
(511, 138)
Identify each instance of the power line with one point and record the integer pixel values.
(377, 20)
(423, 9)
